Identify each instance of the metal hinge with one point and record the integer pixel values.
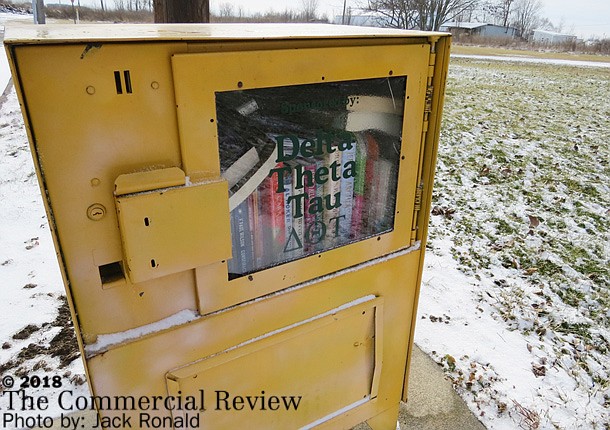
(427, 110)
(419, 191)
(429, 94)
(430, 88)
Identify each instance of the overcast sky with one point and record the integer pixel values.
(582, 17)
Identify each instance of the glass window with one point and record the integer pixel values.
(310, 167)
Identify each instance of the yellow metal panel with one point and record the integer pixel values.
(149, 180)
(101, 106)
(430, 151)
(175, 229)
(139, 367)
(335, 355)
(243, 70)
(83, 142)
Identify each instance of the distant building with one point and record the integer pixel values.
(552, 38)
(480, 29)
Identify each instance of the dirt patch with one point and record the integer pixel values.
(63, 345)
(26, 332)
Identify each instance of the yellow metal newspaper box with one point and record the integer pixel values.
(240, 213)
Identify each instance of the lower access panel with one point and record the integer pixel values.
(334, 358)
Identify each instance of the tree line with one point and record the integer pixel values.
(524, 15)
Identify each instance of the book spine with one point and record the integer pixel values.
(347, 195)
(256, 222)
(276, 215)
(310, 219)
(332, 194)
(288, 248)
(241, 236)
(265, 246)
(384, 207)
(371, 186)
(298, 223)
(359, 185)
(232, 263)
(315, 234)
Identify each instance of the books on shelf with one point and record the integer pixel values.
(308, 205)
(303, 192)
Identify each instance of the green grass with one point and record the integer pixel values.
(531, 140)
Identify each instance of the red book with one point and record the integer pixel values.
(276, 217)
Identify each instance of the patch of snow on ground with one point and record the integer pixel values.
(516, 289)
(31, 288)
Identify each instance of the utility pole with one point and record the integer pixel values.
(183, 11)
(38, 11)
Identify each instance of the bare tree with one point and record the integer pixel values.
(527, 16)
(467, 15)
(505, 9)
(346, 18)
(419, 14)
(309, 9)
(394, 13)
(182, 10)
(546, 24)
(432, 13)
(500, 10)
(226, 10)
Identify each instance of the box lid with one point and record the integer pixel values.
(88, 33)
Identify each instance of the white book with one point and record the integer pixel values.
(375, 104)
(347, 195)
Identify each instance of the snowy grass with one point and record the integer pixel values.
(520, 218)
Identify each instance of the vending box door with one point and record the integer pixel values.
(239, 213)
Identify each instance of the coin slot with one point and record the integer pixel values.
(117, 82)
(127, 76)
(111, 272)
